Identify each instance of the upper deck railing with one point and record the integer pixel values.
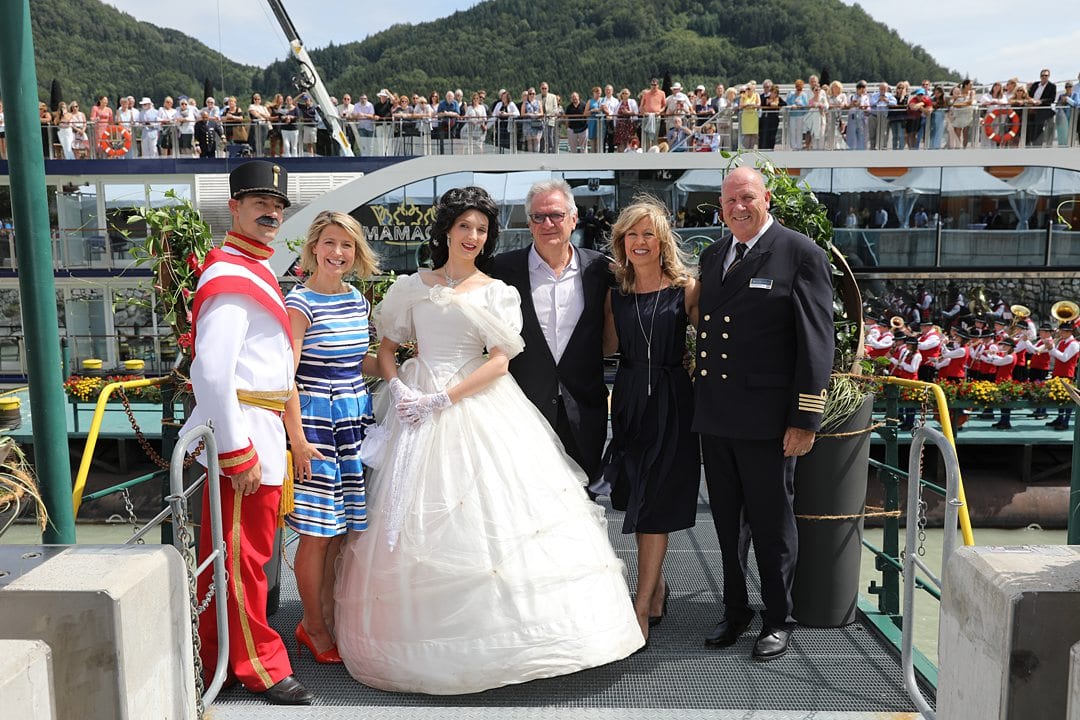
(409, 134)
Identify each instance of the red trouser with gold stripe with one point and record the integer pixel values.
(257, 655)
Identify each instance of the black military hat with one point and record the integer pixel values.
(259, 177)
(916, 327)
(911, 340)
(1068, 325)
(1046, 326)
(898, 335)
(1007, 341)
(1000, 321)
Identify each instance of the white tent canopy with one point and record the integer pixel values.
(952, 181)
(700, 181)
(845, 180)
(1047, 181)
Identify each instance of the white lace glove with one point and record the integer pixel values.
(401, 392)
(416, 412)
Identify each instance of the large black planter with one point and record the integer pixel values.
(831, 480)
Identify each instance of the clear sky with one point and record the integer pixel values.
(985, 39)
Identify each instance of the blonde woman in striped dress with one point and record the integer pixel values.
(325, 417)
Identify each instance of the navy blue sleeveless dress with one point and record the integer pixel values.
(653, 461)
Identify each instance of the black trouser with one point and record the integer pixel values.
(927, 373)
(566, 434)
(751, 480)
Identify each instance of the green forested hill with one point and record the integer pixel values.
(574, 44)
(92, 49)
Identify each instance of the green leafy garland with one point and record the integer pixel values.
(176, 244)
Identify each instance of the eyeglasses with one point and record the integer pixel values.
(539, 218)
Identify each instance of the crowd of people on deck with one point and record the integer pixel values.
(819, 114)
(911, 337)
(433, 558)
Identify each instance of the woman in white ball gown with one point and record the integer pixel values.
(484, 563)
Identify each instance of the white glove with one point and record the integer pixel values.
(415, 412)
(402, 392)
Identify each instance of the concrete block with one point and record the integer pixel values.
(26, 680)
(1008, 621)
(117, 620)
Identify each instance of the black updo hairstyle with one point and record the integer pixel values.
(453, 204)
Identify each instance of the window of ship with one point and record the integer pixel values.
(79, 240)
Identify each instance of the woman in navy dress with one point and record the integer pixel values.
(652, 463)
(326, 416)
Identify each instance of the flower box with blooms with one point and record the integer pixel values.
(81, 388)
(984, 393)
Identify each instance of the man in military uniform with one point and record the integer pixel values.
(241, 374)
(765, 349)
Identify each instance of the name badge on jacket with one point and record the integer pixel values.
(760, 284)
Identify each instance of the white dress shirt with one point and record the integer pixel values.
(558, 300)
(730, 256)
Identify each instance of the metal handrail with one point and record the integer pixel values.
(954, 505)
(95, 428)
(946, 425)
(177, 502)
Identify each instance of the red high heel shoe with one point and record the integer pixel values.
(326, 657)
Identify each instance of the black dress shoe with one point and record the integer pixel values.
(1039, 416)
(771, 643)
(727, 632)
(1002, 425)
(288, 691)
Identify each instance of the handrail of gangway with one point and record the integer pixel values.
(95, 428)
(178, 501)
(946, 425)
(912, 562)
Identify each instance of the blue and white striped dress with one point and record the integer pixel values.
(333, 404)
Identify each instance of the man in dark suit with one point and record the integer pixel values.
(765, 349)
(1045, 93)
(563, 289)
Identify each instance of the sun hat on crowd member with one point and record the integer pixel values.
(146, 101)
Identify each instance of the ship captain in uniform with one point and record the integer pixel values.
(241, 375)
(764, 356)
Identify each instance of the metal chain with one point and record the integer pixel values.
(184, 535)
(921, 509)
(161, 462)
(134, 521)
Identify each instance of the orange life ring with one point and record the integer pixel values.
(1005, 132)
(114, 141)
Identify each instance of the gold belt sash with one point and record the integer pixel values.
(266, 399)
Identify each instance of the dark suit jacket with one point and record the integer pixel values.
(765, 338)
(579, 375)
(1049, 94)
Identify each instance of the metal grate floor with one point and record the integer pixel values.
(844, 672)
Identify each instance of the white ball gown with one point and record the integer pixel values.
(484, 563)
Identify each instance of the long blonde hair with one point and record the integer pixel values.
(366, 262)
(674, 264)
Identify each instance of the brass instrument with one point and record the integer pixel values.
(1019, 312)
(979, 304)
(897, 323)
(1065, 311)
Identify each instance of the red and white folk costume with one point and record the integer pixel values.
(241, 375)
